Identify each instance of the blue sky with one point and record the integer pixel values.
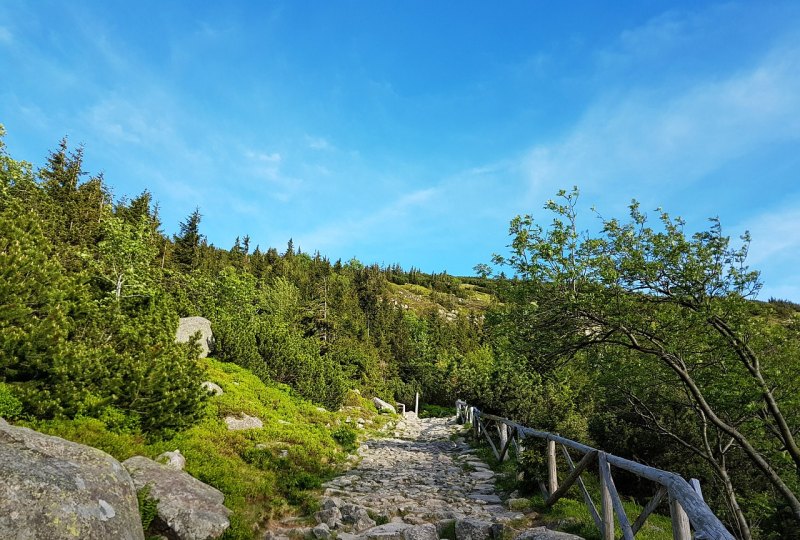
(413, 131)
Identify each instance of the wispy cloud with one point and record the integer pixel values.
(648, 137)
(394, 216)
(318, 143)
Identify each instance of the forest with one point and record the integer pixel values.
(643, 339)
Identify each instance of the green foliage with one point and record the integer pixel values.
(148, 506)
(436, 411)
(10, 405)
(347, 437)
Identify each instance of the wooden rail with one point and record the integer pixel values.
(687, 507)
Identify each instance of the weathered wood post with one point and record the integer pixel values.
(416, 404)
(552, 468)
(503, 429)
(680, 521)
(607, 508)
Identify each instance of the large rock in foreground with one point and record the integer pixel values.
(187, 508)
(188, 326)
(52, 489)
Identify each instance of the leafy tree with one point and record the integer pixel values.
(126, 254)
(676, 300)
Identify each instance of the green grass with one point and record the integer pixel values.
(264, 473)
(436, 411)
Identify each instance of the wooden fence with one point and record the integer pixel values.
(687, 507)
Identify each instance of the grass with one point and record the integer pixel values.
(422, 299)
(264, 473)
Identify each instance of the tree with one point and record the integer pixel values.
(187, 244)
(668, 297)
(126, 255)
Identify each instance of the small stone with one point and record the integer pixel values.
(472, 529)
(321, 532)
(244, 421)
(211, 388)
(425, 531)
(173, 460)
(543, 533)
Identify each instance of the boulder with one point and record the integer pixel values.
(243, 422)
(187, 508)
(424, 531)
(188, 326)
(473, 529)
(53, 489)
(321, 532)
(382, 406)
(543, 533)
(356, 517)
(173, 460)
(328, 516)
(389, 531)
(212, 388)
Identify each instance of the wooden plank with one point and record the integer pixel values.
(651, 506)
(491, 442)
(702, 518)
(607, 507)
(680, 521)
(695, 483)
(586, 497)
(552, 467)
(573, 476)
(616, 501)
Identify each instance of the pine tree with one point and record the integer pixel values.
(187, 244)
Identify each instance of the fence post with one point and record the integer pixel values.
(680, 521)
(416, 404)
(607, 505)
(503, 429)
(552, 468)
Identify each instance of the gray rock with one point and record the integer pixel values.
(445, 527)
(543, 533)
(473, 529)
(321, 532)
(425, 531)
(329, 516)
(187, 508)
(53, 489)
(389, 531)
(244, 421)
(173, 460)
(383, 406)
(331, 502)
(212, 388)
(356, 517)
(188, 326)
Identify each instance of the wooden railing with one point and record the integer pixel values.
(688, 510)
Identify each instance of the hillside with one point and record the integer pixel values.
(264, 473)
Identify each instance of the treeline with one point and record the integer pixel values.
(92, 290)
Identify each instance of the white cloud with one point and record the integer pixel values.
(775, 235)
(647, 137)
(391, 216)
(318, 143)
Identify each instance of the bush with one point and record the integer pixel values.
(10, 406)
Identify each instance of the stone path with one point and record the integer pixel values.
(425, 483)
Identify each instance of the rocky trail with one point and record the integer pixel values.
(424, 483)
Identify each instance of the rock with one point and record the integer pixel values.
(543, 533)
(331, 502)
(356, 517)
(187, 508)
(243, 422)
(173, 460)
(321, 532)
(445, 528)
(389, 531)
(188, 326)
(52, 489)
(382, 406)
(473, 529)
(329, 516)
(212, 388)
(426, 531)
